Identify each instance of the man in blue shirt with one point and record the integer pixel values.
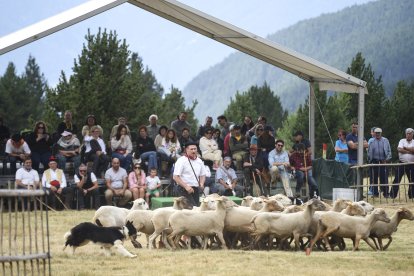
(352, 141)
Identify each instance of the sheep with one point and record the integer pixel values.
(257, 203)
(114, 216)
(292, 209)
(368, 207)
(284, 200)
(204, 223)
(345, 226)
(247, 201)
(160, 219)
(354, 209)
(384, 230)
(141, 220)
(284, 225)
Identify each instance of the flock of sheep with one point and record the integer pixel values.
(258, 223)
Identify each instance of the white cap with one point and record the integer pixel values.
(66, 133)
(153, 115)
(377, 130)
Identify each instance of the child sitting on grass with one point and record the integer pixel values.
(153, 183)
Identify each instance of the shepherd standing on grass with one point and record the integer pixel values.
(190, 174)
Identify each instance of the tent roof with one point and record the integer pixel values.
(300, 65)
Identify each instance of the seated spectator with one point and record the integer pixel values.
(238, 147)
(261, 121)
(91, 122)
(96, 151)
(40, 143)
(122, 147)
(67, 124)
(247, 124)
(26, 177)
(226, 180)
(258, 131)
(16, 150)
(301, 161)
(121, 121)
(266, 143)
(217, 138)
(87, 185)
(185, 138)
(279, 166)
(136, 182)
(253, 166)
(145, 148)
(153, 128)
(224, 126)
(181, 123)
(170, 147)
(161, 134)
(68, 148)
(298, 138)
(226, 142)
(54, 183)
(202, 129)
(117, 184)
(341, 147)
(209, 149)
(153, 185)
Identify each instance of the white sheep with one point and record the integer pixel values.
(284, 200)
(383, 230)
(203, 223)
(284, 226)
(344, 226)
(354, 209)
(368, 207)
(247, 201)
(115, 216)
(141, 220)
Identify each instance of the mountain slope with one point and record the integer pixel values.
(382, 31)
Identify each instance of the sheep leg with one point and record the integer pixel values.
(388, 243)
(221, 238)
(165, 240)
(296, 236)
(375, 242)
(152, 239)
(122, 250)
(171, 241)
(370, 243)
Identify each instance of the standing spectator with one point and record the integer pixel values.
(136, 182)
(210, 150)
(379, 152)
(89, 123)
(299, 138)
(301, 162)
(341, 147)
(117, 184)
(122, 147)
(4, 135)
(54, 182)
(16, 150)
(68, 148)
(202, 129)
(145, 148)
(26, 177)
(279, 166)
(253, 166)
(217, 138)
(352, 141)
(87, 185)
(226, 180)
(96, 151)
(121, 121)
(185, 138)
(260, 121)
(238, 146)
(153, 128)
(170, 147)
(226, 142)
(40, 143)
(67, 124)
(181, 123)
(190, 174)
(224, 126)
(247, 124)
(161, 134)
(266, 143)
(406, 155)
(153, 184)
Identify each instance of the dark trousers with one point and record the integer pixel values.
(382, 173)
(248, 175)
(41, 157)
(193, 198)
(66, 197)
(300, 179)
(92, 195)
(400, 171)
(100, 163)
(13, 160)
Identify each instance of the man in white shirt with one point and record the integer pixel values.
(117, 184)
(16, 150)
(54, 183)
(406, 155)
(26, 177)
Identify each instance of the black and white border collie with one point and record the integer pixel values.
(107, 237)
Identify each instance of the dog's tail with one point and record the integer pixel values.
(67, 237)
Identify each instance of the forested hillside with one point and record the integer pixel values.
(382, 31)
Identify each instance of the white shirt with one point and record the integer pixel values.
(152, 182)
(27, 177)
(12, 149)
(53, 176)
(406, 157)
(87, 140)
(116, 177)
(93, 178)
(183, 169)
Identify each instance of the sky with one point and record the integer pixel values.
(173, 53)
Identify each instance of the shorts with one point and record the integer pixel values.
(153, 192)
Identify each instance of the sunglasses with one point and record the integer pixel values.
(260, 129)
(41, 127)
(209, 133)
(137, 167)
(82, 170)
(279, 145)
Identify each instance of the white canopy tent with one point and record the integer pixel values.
(313, 71)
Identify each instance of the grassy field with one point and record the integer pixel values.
(88, 260)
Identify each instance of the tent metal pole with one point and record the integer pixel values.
(312, 118)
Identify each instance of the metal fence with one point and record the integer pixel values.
(24, 233)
